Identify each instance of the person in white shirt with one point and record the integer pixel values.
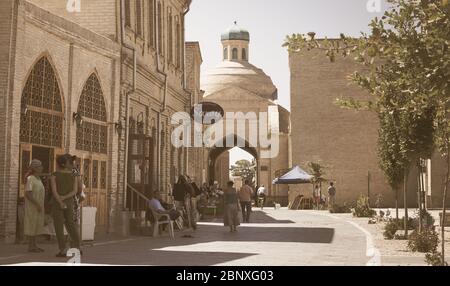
(156, 206)
(262, 194)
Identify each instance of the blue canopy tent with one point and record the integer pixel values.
(295, 176)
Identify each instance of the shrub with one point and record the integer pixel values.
(412, 223)
(362, 208)
(424, 242)
(390, 229)
(338, 209)
(378, 201)
(400, 237)
(427, 219)
(435, 259)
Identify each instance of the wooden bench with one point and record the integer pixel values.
(306, 203)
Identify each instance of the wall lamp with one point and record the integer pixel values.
(24, 109)
(77, 118)
(118, 127)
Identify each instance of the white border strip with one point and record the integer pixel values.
(371, 250)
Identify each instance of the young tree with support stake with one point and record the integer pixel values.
(393, 161)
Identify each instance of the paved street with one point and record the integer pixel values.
(276, 237)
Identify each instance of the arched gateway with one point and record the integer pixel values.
(241, 88)
(216, 153)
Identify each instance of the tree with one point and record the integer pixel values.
(244, 169)
(407, 70)
(317, 171)
(393, 161)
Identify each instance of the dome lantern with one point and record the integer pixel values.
(235, 43)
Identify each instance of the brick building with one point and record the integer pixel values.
(197, 157)
(344, 140)
(101, 83)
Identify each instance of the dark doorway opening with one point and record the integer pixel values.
(45, 155)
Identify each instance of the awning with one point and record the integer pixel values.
(295, 176)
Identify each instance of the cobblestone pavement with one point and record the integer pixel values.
(274, 237)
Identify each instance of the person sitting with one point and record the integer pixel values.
(156, 205)
(202, 204)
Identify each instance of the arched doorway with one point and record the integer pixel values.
(216, 152)
(92, 147)
(42, 119)
(41, 123)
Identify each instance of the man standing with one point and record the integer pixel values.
(245, 198)
(331, 194)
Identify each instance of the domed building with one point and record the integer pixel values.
(240, 87)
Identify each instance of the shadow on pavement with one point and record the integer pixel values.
(264, 234)
(257, 216)
(184, 258)
(203, 248)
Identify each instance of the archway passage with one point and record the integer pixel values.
(216, 153)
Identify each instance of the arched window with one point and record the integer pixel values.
(139, 18)
(225, 54)
(92, 134)
(160, 28)
(178, 49)
(127, 13)
(151, 23)
(244, 54)
(235, 54)
(42, 117)
(170, 37)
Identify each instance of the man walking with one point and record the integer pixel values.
(245, 198)
(262, 194)
(331, 194)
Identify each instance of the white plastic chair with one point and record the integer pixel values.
(159, 220)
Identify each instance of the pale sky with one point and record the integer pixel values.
(269, 21)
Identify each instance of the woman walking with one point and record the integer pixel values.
(231, 202)
(34, 205)
(64, 188)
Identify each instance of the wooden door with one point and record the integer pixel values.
(94, 174)
(29, 152)
(140, 171)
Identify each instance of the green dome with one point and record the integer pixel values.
(236, 33)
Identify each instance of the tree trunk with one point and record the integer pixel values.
(405, 201)
(444, 209)
(419, 194)
(396, 204)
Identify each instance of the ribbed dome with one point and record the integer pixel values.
(242, 75)
(236, 33)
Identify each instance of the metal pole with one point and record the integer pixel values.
(368, 187)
